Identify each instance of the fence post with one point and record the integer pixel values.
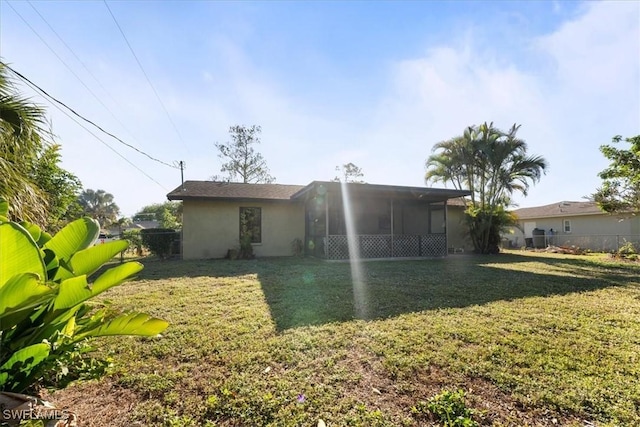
(617, 242)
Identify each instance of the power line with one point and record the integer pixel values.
(57, 56)
(36, 88)
(55, 104)
(56, 101)
(66, 65)
(145, 74)
(77, 59)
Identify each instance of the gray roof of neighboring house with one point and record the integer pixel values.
(233, 191)
(279, 192)
(559, 209)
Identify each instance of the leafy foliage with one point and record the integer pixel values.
(60, 187)
(134, 238)
(45, 316)
(620, 191)
(241, 160)
(38, 189)
(297, 247)
(159, 240)
(449, 408)
(246, 248)
(99, 205)
(492, 165)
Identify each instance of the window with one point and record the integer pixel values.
(251, 224)
(567, 226)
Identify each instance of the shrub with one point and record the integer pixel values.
(297, 247)
(159, 240)
(45, 317)
(449, 408)
(627, 249)
(246, 248)
(134, 238)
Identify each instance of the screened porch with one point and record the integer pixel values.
(388, 221)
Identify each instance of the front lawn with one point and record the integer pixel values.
(532, 339)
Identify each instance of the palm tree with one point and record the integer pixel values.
(492, 165)
(99, 205)
(22, 138)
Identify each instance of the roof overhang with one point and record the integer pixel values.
(423, 194)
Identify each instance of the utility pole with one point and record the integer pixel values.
(182, 174)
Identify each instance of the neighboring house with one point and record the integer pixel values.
(145, 224)
(581, 224)
(115, 230)
(389, 221)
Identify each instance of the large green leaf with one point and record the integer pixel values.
(75, 236)
(39, 236)
(21, 364)
(4, 210)
(21, 294)
(18, 253)
(89, 260)
(128, 324)
(115, 275)
(72, 292)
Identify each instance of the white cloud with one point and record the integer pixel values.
(566, 112)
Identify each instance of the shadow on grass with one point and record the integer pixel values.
(157, 269)
(302, 293)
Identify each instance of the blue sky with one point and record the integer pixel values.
(373, 83)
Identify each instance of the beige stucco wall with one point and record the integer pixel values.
(457, 229)
(212, 228)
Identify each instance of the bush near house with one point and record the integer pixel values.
(159, 241)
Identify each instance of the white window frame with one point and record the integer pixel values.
(566, 226)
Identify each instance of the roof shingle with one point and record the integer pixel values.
(233, 190)
(559, 209)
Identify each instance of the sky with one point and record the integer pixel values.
(376, 84)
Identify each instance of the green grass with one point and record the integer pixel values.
(529, 337)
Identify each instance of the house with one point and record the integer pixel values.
(389, 221)
(581, 224)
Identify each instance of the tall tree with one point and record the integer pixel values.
(99, 205)
(620, 191)
(492, 165)
(22, 138)
(241, 160)
(349, 173)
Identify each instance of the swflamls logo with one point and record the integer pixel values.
(33, 414)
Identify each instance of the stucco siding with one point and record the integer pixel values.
(212, 228)
(457, 229)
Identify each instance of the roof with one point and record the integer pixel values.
(233, 191)
(560, 209)
(240, 191)
(376, 190)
